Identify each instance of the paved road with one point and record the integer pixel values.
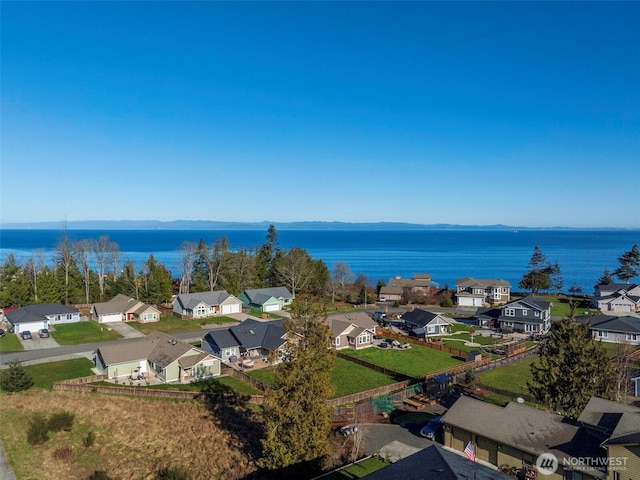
(378, 435)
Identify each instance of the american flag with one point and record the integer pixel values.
(469, 452)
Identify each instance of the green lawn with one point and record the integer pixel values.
(415, 361)
(174, 324)
(44, 374)
(358, 470)
(83, 332)
(10, 343)
(511, 376)
(346, 377)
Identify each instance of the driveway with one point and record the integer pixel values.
(125, 330)
(378, 436)
(37, 343)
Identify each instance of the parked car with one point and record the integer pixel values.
(348, 430)
(430, 429)
(1, 332)
(26, 335)
(44, 333)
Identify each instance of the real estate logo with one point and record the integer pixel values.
(547, 463)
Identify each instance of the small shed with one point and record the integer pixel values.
(474, 356)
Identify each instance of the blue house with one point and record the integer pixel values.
(266, 299)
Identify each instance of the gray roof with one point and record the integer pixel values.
(529, 429)
(481, 282)
(38, 312)
(435, 462)
(222, 338)
(604, 414)
(419, 317)
(254, 334)
(190, 300)
(258, 296)
(622, 324)
(339, 326)
(118, 304)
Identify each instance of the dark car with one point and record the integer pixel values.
(430, 429)
(26, 335)
(44, 333)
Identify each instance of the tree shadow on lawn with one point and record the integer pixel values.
(232, 413)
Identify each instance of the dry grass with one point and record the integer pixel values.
(133, 437)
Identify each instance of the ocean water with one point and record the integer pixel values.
(379, 254)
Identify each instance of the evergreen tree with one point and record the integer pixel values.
(127, 282)
(15, 289)
(200, 269)
(555, 278)
(156, 282)
(538, 277)
(605, 278)
(629, 265)
(266, 258)
(15, 378)
(571, 368)
(297, 421)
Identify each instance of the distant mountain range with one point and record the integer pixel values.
(214, 225)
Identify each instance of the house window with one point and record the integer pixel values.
(337, 342)
(228, 352)
(510, 312)
(529, 328)
(507, 324)
(536, 314)
(602, 334)
(524, 313)
(201, 311)
(364, 338)
(632, 336)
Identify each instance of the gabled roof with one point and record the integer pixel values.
(435, 462)
(222, 338)
(38, 312)
(605, 288)
(156, 347)
(481, 282)
(530, 429)
(421, 317)
(190, 300)
(531, 302)
(255, 334)
(338, 327)
(118, 304)
(259, 296)
(622, 324)
(604, 415)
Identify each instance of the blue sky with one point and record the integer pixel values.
(424, 112)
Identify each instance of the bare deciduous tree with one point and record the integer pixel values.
(104, 251)
(341, 275)
(186, 258)
(295, 269)
(82, 250)
(33, 267)
(64, 257)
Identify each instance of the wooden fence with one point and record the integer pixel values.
(232, 372)
(435, 344)
(374, 392)
(387, 371)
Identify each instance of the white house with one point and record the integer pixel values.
(206, 304)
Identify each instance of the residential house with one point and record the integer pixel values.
(435, 462)
(487, 317)
(617, 426)
(250, 338)
(524, 434)
(266, 299)
(526, 315)
(421, 284)
(422, 322)
(617, 298)
(476, 292)
(158, 354)
(354, 330)
(206, 304)
(122, 308)
(619, 329)
(41, 315)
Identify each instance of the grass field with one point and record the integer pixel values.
(510, 377)
(358, 470)
(83, 332)
(415, 361)
(10, 343)
(174, 324)
(346, 377)
(44, 374)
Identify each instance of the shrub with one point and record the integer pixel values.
(61, 421)
(63, 453)
(89, 439)
(38, 430)
(173, 473)
(15, 378)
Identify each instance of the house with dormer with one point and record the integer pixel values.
(477, 292)
(526, 315)
(615, 298)
(206, 304)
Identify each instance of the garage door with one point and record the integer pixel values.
(477, 302)
(271, 308)
(114, 317)
(32, 327)
(226, 309)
